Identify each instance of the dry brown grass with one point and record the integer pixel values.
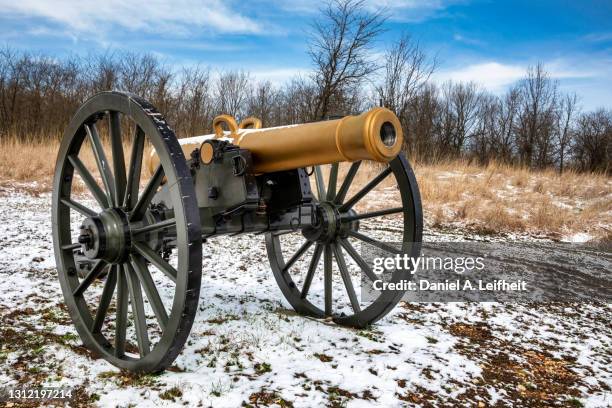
(30, 165)
(500, 198)
(492, 199)
(27, 161)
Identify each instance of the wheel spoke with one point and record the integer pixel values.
(133, 180)
(105, 300)
(80, 208)
(375, 242)
(170, 222)
(346, 184)
(114, 124)
(372, 214)
(327, 279)
(320, 183)
(90, 277)
(360, 261)
(122, 308)
(156, 260)
(314, 262)
(147, 195)
(297, 255)
(138, 311)
(71, 247)
(89, 181)
(346, 277)
(150, 290)
(333, 181)
(102, 161)
(365, 190)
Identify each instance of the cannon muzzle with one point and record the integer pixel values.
(374, 135)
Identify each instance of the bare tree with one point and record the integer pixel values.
(422, 125)
(298, 100)
(564, 132)
(407, 69)
(593, 144)
(484, 137)
(103, 72)
(340, 50)
(137, 73)
(506, 124)
(263, 103)
(232, 91)
(536, 119)
(459, 115)
(194, 104)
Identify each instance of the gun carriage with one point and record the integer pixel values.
(137, 244)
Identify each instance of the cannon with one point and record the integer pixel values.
(133, 206)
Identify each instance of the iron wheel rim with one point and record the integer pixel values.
(187, 224)
(411, 245)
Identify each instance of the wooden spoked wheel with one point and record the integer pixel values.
(381, 210)
(135, 304)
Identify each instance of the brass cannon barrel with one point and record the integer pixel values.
(374, 135)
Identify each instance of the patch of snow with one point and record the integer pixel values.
(579, 237)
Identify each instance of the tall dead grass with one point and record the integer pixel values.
(502, 198)
(27, 161)
(31, 164)
(492, 199)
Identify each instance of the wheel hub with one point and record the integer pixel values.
(106, 236)
(330, 224)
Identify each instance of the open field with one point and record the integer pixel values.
(496, 199)
(247, 347)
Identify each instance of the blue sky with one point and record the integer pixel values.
(490, 42)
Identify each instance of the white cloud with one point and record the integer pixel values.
(598, 37)
(492, 75)
(496, 77)
(564, 69)
(179, 17)
(467, 40)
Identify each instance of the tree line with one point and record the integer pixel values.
(533, 124)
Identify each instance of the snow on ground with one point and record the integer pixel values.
(247, 347)
(578, 237)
